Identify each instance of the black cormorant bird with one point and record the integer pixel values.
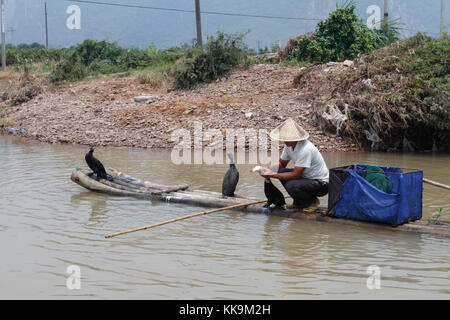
(96, 166)
(274, 196)
(230, 180)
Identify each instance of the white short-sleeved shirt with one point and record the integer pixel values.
(307, 156)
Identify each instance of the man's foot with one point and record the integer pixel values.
(293, 206)
(313, 206)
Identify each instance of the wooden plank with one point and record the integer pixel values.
(436, 184)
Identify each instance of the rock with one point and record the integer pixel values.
(348, 63)
(16, 131)
(331, 63)
(144, 98)
(249, 115)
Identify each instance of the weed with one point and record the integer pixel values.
(436, 216)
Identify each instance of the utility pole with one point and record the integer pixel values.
(46, 27)
(199, 23)
(386, 9)
(442, 17)
(3, 35)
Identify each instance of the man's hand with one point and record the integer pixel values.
(267, 173)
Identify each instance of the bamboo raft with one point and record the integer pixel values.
(124, 185)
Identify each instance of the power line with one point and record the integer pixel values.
(192, 11)
(213, 12)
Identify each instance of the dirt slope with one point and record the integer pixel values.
(103, 112)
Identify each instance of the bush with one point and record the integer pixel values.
(101, 57)
(343, 36)
(69, 70)
(92, 57)
(388, 33)
(221, 54)
(132, 59)
(34, 53)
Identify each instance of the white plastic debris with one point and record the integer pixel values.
(368, 83)
(335, 116)
(372, 136)
(144, 98)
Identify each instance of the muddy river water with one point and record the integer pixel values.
(48, 224)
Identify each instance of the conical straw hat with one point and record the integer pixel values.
(289, 131)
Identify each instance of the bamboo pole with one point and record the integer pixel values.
(436, 184)
(185, 217)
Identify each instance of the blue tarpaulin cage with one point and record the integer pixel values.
(351, 196)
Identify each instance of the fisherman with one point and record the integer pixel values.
(309, 178)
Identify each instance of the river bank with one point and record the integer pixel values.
(103, 111)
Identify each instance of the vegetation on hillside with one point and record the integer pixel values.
(342, 36)
(401, 95)
(101, 57)
(24, 54)
(220, 55)
(189, 66)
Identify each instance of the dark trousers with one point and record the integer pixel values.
(304, 191)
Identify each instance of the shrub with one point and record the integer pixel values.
(91, 57)
(69, 70)
(94, 57)
(34, 53)
(388, 33)
(132, 59)
(343, 36)
(221, 54)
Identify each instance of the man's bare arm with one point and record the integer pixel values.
(296, 174)
(281, 164)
